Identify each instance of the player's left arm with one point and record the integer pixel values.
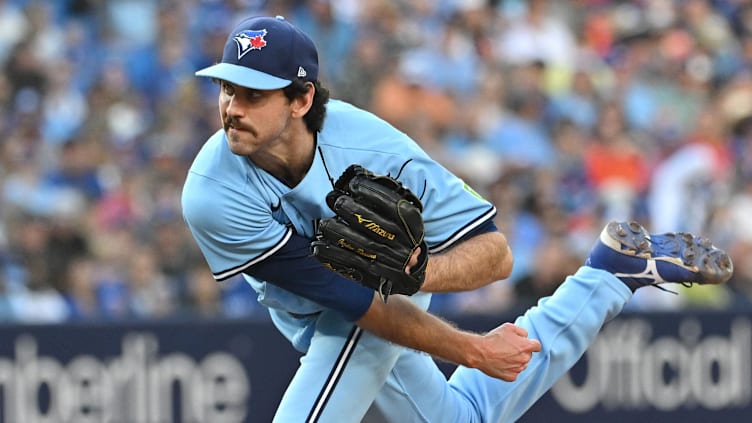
(467, 250)
(474, 262)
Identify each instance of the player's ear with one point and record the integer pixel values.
(302, 103)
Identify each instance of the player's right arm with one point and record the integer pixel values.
(501, 353)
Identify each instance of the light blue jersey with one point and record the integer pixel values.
(242, 217)
(239, 214)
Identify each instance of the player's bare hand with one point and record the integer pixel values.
(507, 352)
(413, 260)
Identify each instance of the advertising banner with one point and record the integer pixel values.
(658, 367)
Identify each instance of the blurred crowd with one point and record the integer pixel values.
(566, 114)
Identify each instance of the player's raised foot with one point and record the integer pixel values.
(640, 259)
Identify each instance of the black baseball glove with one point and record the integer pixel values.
(377, 228)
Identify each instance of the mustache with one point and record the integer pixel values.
(235, 123)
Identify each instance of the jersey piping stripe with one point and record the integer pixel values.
(235, 270)
(462, 232)
(335, 375)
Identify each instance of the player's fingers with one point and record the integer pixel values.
(509, 376)
(519, 330)
(522, 364)
(534, 345)
(413, 260)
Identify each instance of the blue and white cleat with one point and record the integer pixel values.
(639, 259)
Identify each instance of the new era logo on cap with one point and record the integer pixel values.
(265, 53)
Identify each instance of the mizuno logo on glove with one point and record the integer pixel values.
(374, 227)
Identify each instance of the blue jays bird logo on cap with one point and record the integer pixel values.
(250, 39)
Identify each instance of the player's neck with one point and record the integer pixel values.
(288, 161)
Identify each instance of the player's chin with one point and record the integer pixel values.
(238, 141)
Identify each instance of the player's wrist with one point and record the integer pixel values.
(473, 354)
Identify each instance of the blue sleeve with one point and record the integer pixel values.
(485, 227)
(294, 269)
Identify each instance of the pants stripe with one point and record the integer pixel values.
(334, 375)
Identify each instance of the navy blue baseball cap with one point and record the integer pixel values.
(266, 53)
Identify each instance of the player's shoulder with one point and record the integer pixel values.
(349, 126)
(341, 114)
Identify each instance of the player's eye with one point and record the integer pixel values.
(227, 88)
